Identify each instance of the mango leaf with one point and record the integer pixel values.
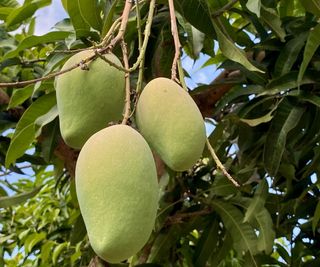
(24, 12)
(57, 251)
(272, 19)
(206, 244)
(258, 201)
(25, 130)
(20, 95)
(108, 18)
(232, 52)
(223, 187)
(32, 41)
(45, 119)
(90, 13)
(316, 218)
(9, 3)
(4, 12)
(285, 119)
(312, 45)
(312, 6)
(33, 240)
(9, 201)
(254, 6)
(255, 122)
(196, 12)
(289, 54)
(80, 26)
(263, 220)
(243, 235)
(46, 249)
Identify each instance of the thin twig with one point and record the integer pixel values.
(177, 45)
(141, 65)
(119, 67)
(126, 114)
(224, 8)
(220, 165)
(178, 217)
(123, 26)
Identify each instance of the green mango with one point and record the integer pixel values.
(117, 189)
(88, 100)
(171, 122)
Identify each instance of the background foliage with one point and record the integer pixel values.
(264, 105)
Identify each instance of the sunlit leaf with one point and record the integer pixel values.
(8, 201)
(33, 240)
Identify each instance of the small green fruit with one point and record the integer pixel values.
(117, 189)
(89, 99)
(171, 122)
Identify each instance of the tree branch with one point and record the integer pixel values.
(126, 114)
(177, 45)
(220, 165)
(224, 8)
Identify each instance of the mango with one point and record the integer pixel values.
(88, 100)
(171, 122)
(117, 190)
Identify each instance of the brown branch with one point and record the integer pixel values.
(123, 26)
(179, 217)
(126, 114)
(177, 45)
(220, 165)
(224, 8)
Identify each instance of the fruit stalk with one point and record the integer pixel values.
(126, 114)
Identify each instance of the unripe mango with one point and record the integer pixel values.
(88, 100)
(171, 122)
(117, 189)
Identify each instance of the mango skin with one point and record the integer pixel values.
(171, 122)
(117, 189)
(88, 100)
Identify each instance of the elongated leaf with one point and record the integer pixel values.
(4, 12)
(90, 13)
(24, 12)
(312, 45)
(232, 52)
(272, 19)
(46, 250)
(257, 202)
(289, 54)
(20, 95)
(312, 6)
(286, 118)
(57, 251)
(263, 220)
(25, 130)
(254, 122)
(33, 240)
(80, 26)
(45, 119)
(197, 13)
(316, 218)
(37, 40)
(254, 6)
(108, 18)
(207, 244)
(9, 3)
(6, 202)
(243, 236)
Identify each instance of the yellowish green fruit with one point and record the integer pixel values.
(89, 99)
(171, 122)
(117, 189)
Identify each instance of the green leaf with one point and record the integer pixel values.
(24, 12)
(9, 3)
(255, 122)
(272, 19)
(223, 187)
(90, 13)
(45, 119)
(289, 54)
(79, 24)
(254, 6)
(4, 12)
(243, 235)
(33, 41)
(232, 52)
(285, 119)
(257, 202)
(57, 251)
(46, 250)
(312, 6)
(207, 243)
(311, 47)
(108, 18)
(6, 202)
(25, 130)
(196, 12)
(316, 218)
(20, 95)
(33, 240)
